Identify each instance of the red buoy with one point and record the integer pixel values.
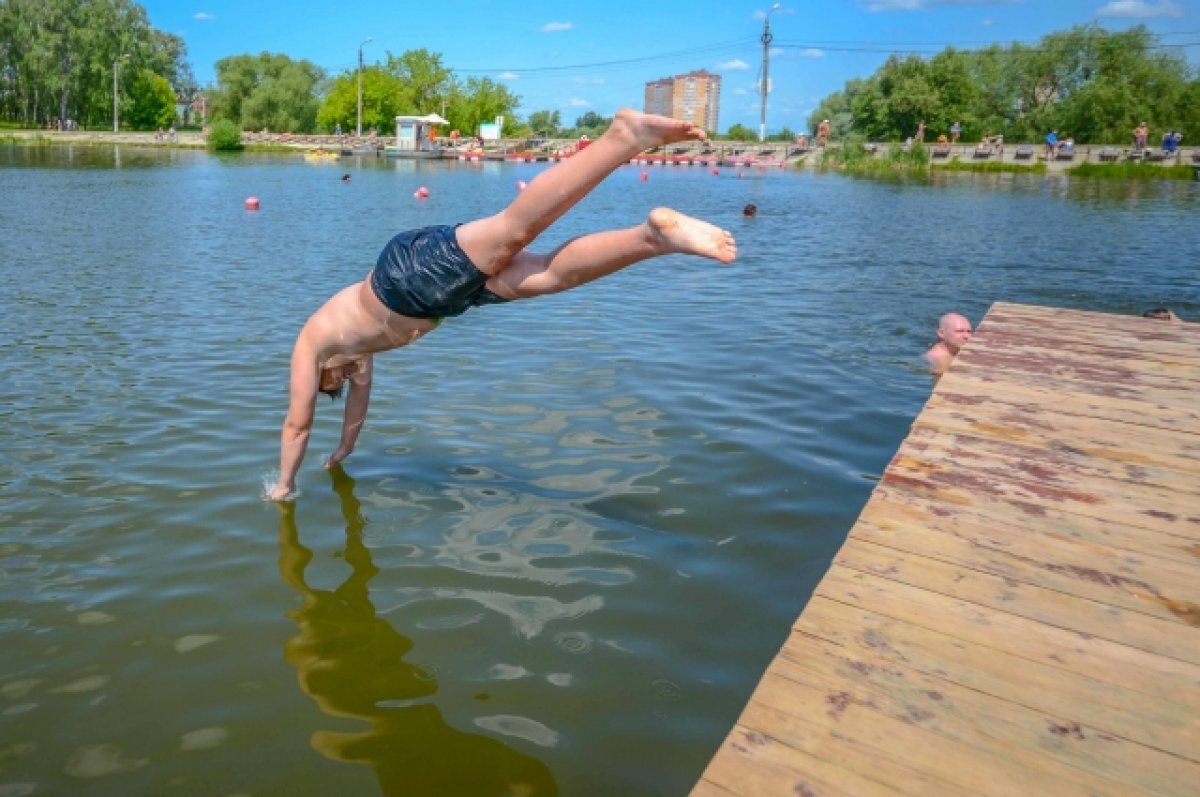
(251, 203)
(421, 193)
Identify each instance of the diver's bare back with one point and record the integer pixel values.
(354, 323)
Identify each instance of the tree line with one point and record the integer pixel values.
(62, 60)
(1086, 82)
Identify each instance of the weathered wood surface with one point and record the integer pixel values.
(1017, 609)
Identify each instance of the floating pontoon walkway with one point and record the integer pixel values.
(1016, 610)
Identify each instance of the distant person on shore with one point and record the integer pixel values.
(750, 211)
(1141, 134)
(955, 131)
(823, 133)
(424, 276)
(1051, 145)
(920, 134)
(953, 332)
(1161, 314)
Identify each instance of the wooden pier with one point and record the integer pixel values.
(1017, 609)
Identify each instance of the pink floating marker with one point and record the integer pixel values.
(521, 185)
(644, 176)
(421, 193)
(716, 171)
(251, 203)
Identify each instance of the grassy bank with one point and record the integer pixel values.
(1132, 171)
(956, 165)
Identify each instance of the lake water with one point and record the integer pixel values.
(575, 530)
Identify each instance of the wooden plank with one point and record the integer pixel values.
(1142, 447)
(1142, 544)
(987, 577)
(1116, 579)
(1058, 745)
(968, 386)
(853, 715)
(1047, 463)
(750, 762)
(1071, 651)
(1088, 361)
(1099, 490)
(1031, 500)
(1144, 343)
(838, 748)
(1160, 722)
(1064, 327)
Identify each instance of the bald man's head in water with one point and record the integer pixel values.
(953, 332)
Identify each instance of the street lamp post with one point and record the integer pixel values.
(116, 89)
(358, 127)
(766, 43)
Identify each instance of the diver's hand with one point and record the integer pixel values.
(282, 492)
(337, 456)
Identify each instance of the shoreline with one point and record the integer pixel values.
(780, 154)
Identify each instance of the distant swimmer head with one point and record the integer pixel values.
(750, 210)
(345, 178)
(1160, 313)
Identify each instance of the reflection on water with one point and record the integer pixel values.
(351, 662)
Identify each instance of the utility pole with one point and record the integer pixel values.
(116, 90)
(358, 127)
(766, 81)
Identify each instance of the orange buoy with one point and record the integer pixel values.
(251, 203)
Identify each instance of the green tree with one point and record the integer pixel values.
(151, 102)
(480, 100)
(739, 132)
(268, 90)
(384, 97)
(428, 83)
(545, 123)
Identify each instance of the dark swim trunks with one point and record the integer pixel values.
(424, 274)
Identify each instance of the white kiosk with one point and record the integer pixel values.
(412, 137)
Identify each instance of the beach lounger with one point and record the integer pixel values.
(1196, 156)
(1065, 154)
(1109, 154)
(1023, 153)
(982, 152)
(941, 151)
(1155, 156)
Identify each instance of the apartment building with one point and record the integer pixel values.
(695, 96)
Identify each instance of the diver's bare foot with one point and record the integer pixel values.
(675, 232)
(644, 130)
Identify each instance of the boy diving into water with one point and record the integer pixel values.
(425, 275)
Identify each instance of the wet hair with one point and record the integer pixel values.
(335, 393)
(750, 209)
(1161, 313)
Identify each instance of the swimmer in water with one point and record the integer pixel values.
(953, 332)
(425, 275)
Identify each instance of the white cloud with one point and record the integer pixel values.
(736, 63)
(589, 81)
(740, 92)
(812, 52)
(987, 23)
(203, 15)
(508, 76)
(1139, 9)
(554, 27)
(575, 102)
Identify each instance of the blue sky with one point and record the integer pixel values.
(596, 56)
